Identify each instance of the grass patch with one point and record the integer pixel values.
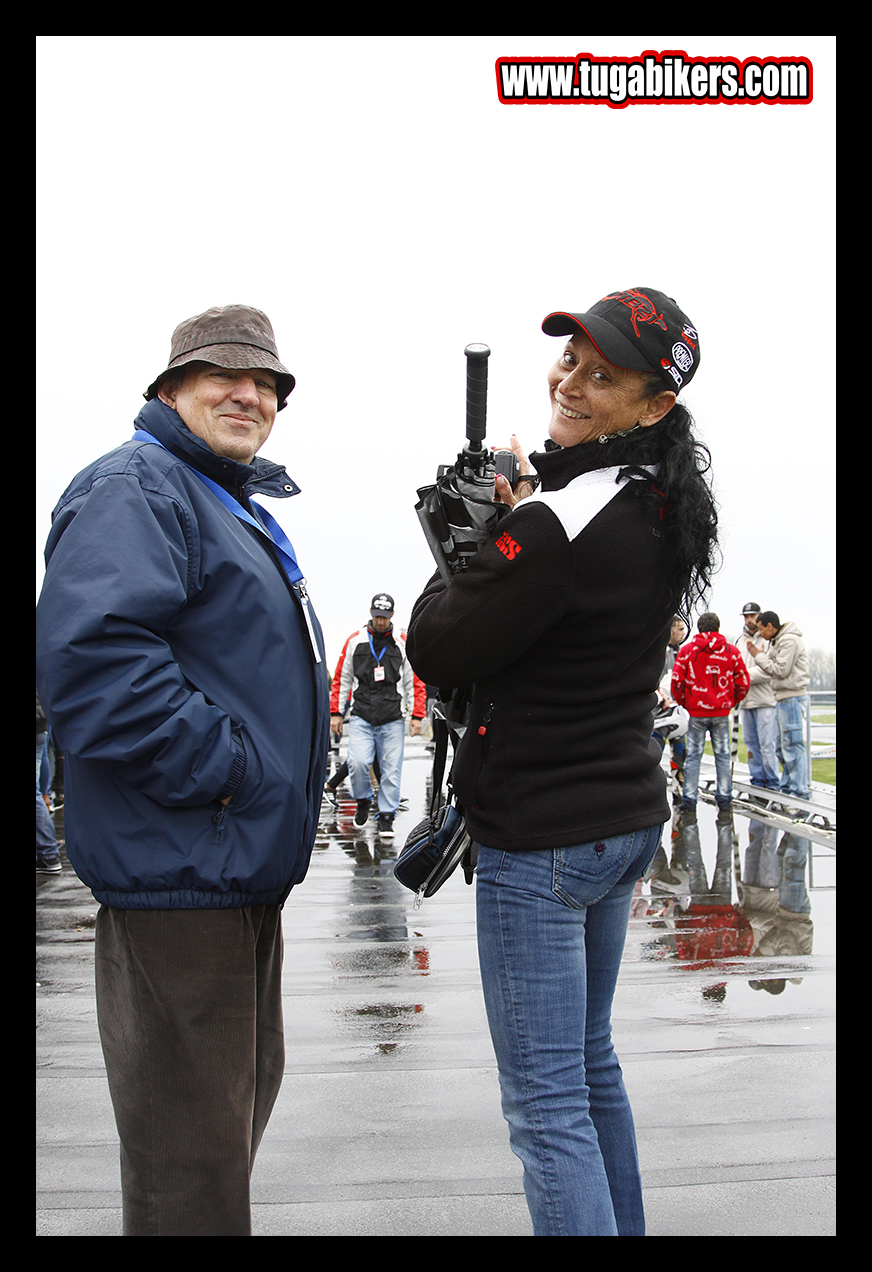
(821, 770)
(824, 770)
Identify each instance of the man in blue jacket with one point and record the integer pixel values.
(182, 670)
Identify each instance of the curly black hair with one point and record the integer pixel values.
(682, 489)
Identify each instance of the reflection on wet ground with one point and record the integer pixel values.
(730, 893)
(388, 1122)
(745, 898)
(374, 942)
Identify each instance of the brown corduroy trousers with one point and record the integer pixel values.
(189, 1009)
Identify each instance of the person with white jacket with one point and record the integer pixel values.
(383, 692)
(758, 714)
(786, 661)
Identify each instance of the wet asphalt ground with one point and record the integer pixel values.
(388, 1122)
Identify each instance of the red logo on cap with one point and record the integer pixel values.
(641, 308)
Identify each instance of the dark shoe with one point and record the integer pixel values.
(385, 824)
(48, 865)
(361, 817)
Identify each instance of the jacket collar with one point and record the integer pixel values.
(261, 476)
(559, 465)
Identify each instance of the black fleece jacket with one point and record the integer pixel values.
(560, 623)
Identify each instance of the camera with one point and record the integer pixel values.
(503, 463)
(458, 512)
(506, 465)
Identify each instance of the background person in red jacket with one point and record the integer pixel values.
(709, 678)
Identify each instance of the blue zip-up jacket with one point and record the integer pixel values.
(176, 669)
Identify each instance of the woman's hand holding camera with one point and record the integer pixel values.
(504, 494)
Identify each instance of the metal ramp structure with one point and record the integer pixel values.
(814, 818)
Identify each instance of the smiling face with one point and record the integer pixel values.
(232, 411)
(590, 397)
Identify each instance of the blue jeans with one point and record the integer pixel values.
(551, 929)
(718, 727)
(760, 733)
(791, 747)
(365, 741)
(46, 841)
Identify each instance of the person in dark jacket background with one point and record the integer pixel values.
(383, 691)
(182, 670)
(559, 624)
(48, 858)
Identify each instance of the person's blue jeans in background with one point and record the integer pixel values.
(760, 735)
(718, 728)
(365, 741)
(791, 747)
(551, 930)
(46, 840)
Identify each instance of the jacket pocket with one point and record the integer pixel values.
(481, 739)
(252, 774)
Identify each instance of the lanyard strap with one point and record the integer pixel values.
(377, 657)
(271, 530)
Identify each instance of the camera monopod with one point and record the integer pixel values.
(458, 513)
(476, 404)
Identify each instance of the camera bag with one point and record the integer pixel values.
(437, 845)
(432, 852)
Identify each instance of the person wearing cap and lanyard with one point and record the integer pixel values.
(374, 672)
(559, 623)
(182, 669)
(758, 711)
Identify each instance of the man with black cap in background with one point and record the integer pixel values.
(375, 672)
(182, 670)
(758, 712)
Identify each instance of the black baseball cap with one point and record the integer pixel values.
(381, 604)
(640, 329)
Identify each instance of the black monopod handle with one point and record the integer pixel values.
(476, 393)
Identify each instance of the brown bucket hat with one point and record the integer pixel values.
(232, 336)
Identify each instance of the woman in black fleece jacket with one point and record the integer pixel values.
(560, 623)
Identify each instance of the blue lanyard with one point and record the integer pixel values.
(271, 530)
(377, 657)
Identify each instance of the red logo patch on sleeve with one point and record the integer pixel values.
(508, 547)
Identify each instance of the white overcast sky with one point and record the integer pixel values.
(373, 196)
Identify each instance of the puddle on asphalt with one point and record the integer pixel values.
(743, 903)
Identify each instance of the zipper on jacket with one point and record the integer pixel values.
(300, 587)
(483, 753)
(218, 821)
(482, 728)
